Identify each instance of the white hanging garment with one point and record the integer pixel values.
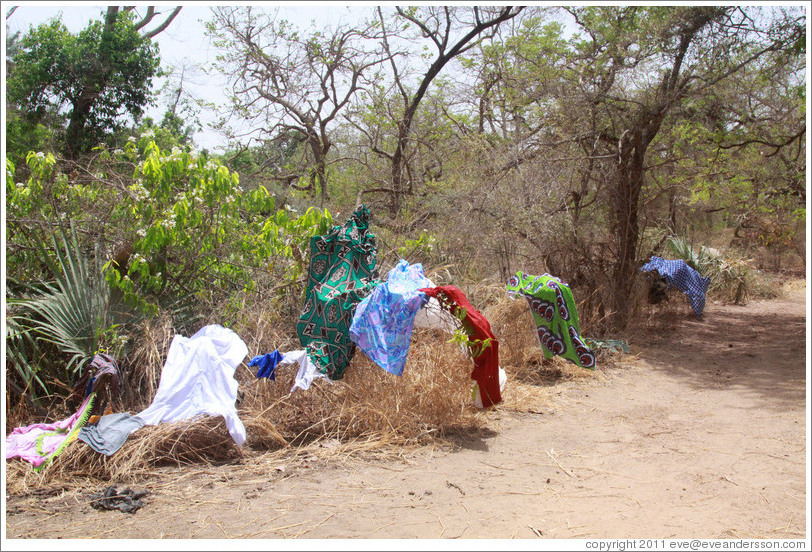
(307, 369)
(198, 378)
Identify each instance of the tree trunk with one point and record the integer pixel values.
(320, 161)
(411, 104)
(629, 180)
(94, 84)
(397, 168)
(74, 135)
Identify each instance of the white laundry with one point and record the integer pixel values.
(477, 396)
(307, 370)
(431, 315)
(198, 378)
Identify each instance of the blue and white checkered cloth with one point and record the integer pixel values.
(681, 276)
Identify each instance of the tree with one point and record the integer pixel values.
(618, 93)
(286, 82)
(640, 65)
(25, 132)
(452, 31)
(99, 74)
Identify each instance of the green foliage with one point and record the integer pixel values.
(199, 235)
(21, 352)
(197, 241)
(98, 75)
(423, 244)
(48, 198)
(173, 131)
(24, 135)
(72, 314)
(463, 335)
(194, 232)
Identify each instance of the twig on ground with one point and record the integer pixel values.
(549, 453)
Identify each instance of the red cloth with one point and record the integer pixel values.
(486, 364)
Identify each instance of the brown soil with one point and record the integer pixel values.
(699, 433)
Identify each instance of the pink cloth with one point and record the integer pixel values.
(22, 441)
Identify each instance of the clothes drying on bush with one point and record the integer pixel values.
(267, 364)
(341, 273)
(679, 275)
(555, 315)
(481, 342)
(111, 431)
(383, 322)
(102, 377)
(198, 378)
(40, 443)
(308, 372)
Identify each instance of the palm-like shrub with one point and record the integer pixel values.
(73, 316)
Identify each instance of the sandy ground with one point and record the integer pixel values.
(700, 434)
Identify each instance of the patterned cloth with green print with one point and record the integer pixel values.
(555, 316)
(342, 272)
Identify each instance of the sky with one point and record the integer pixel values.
(182, 44)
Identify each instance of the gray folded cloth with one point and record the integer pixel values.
(109, 433)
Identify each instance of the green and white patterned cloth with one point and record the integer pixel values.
(342, 272)
(555, 316)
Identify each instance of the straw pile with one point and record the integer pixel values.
(204, 440)
(367, 412)
(432, 398)
(369, 409)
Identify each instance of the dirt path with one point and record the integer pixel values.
(701, 436)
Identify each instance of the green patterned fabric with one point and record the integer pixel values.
(555, 316)
(342, 272)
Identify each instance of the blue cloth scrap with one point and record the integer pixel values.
(383, 321)
(679, 275)
(267, 364)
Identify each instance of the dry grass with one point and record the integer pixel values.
(520, 353)
(519, 349)
(142, 369)
(204, 440)
(370, 411)
(432, 398)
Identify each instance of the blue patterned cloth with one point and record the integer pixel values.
(383, 321)
(267, 364)
(679, 275)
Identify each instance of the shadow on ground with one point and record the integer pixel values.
(760, 347)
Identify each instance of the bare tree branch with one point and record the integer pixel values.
(147, 18)
(162, 27)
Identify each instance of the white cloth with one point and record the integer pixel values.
(307, 370)
(198, 378)
(477, 396)
(431, 315)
